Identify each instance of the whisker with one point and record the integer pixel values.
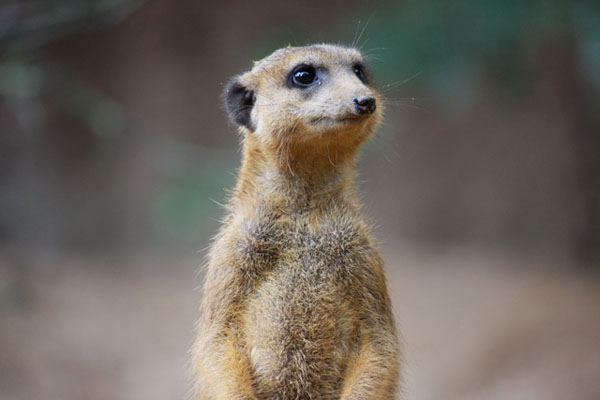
(409, 105)
(363, 31)
(355, 34)
(394, 85)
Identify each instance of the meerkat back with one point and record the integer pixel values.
(295, 301)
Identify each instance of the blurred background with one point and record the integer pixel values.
(483, 181)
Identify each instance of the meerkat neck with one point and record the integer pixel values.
(296, 177)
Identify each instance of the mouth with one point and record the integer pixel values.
(339, 120)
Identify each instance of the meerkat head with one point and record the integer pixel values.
(313, 96)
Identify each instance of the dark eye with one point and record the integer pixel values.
(360, 73)
(304, 76)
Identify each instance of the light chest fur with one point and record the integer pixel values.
(298, 275)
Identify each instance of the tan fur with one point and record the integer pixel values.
(295, 302)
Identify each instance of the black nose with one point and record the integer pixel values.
(364, 105)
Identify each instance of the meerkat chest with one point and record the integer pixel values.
(301, 310)
(301, 250)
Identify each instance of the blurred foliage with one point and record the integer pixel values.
(183, 209)
(27, 25)
(20, 81)
(23, 84)
(102, 114)
(443, 39)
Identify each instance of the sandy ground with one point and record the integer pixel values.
(475, 326)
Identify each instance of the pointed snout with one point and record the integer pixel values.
(364, 104)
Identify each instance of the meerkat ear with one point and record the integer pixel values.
(239, 102)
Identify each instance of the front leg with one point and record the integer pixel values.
(223, 371)
(375, 371)
(222, 368)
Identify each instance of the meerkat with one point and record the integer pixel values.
(295, 301)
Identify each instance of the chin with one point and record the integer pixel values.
(335, 125)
